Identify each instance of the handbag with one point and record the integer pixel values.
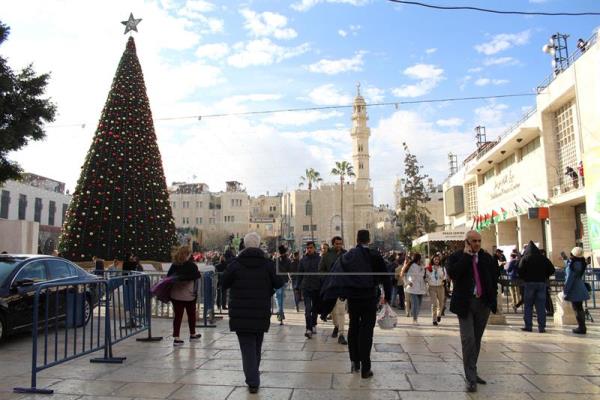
(162, 289)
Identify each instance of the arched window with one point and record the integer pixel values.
(308, 208)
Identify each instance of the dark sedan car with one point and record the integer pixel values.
(21, 275)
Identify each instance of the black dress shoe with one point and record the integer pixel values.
(481, 381)
(366, 374)
(253, 389)
(342, 340)
(334, 334)
(471, 387)
(355, 367)
(526, 329)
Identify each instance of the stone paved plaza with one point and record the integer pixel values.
(410, 362)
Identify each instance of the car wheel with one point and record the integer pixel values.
(87, 309)
(3, 328)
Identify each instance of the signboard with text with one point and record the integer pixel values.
(592, 195)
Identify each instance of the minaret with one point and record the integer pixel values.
(360, 141)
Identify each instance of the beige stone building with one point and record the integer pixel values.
(530, 165)
(326, 206)
(265, 215)
(210, 216)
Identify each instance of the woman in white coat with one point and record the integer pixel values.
(414, 284)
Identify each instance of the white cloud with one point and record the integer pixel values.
(487, 81)
(373, 94)
(500, 61)
(194, 10)
(538, 1)
(474, 70)
(491, 115)
(342, 33)
(387, 153)
(463, 82)
(305, 5)
(429, 77)
(333, 67)
(267, 24)
(299, 118)
(431, 50)
(262, 52)
(213, 51)
(200, 6)
(503, 42)
(329, 95)
(450, 122)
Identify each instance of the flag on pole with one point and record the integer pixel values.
(504, 213)
(495, 217)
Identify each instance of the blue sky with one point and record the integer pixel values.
(204, 57)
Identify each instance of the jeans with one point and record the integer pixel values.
(251, 347)
(311, 299)
(280, 298)
(535, 293)
(415, 300)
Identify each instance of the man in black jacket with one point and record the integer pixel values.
(251, 280)
(475, 280)
(534, 269)
(357, 276)
(309, 282)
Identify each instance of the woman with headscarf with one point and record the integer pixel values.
(575, 290)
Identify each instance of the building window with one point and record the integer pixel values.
(37, 212)
(360, 165)
(185, 220)
(530, 147)
(198, 204)
(337, 228)
(185, 204)
(229, 218)
(487, 176)
(507, 162)
(360, 148)
(51, 212)
(211, 221)
(22, 206)
(4, 204)
(308, 208)
(65, 207)
(198, 220)
(565, 140)
(471, 199)
(305, 228)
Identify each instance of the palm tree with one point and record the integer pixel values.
(311, 176)
(342, 169)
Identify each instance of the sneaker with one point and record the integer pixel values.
(195, 336)
(334, 334)
(308, 334)
(177, 342)
(342, 340)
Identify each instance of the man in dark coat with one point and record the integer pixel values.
(309, 282)
(475, 279)
(355, 279)
(339, 312)
(251, 280)
(535, 269)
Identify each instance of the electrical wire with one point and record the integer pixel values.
(545, 14)
(395, 103)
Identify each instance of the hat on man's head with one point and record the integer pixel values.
(577, 252)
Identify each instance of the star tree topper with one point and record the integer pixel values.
(131, 23)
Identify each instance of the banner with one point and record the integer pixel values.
(591, 169)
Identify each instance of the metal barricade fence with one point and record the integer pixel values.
(67, 323)
(77, 318)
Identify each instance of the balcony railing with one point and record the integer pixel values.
(568, 185)
(572, 58)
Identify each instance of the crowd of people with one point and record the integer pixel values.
(333, 281)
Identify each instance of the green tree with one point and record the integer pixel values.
(23, 111)
(121, 203)
(414, 218)
(311, 177)
(342, 169)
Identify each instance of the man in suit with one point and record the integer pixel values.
(475, 280)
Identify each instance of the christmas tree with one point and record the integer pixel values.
(121, 204)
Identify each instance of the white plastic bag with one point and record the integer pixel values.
(386, 317)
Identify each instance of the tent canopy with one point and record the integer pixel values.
(442, 236)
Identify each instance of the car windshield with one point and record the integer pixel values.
(6, 267)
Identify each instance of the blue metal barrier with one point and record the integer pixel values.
(66, 316)
(207, 295)
(68, 321)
